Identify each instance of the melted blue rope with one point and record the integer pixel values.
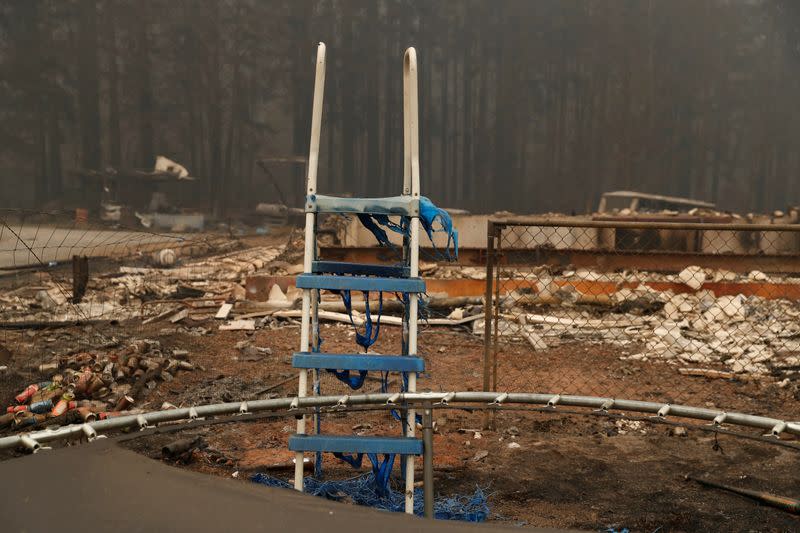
(368, 338)
(429, 215)
(365, 340)
(362, 490)
(381, 468)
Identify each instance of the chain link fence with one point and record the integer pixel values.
(55, 268)
(132, 310)
(701, 314)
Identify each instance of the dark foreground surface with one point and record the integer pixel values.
(101, 487)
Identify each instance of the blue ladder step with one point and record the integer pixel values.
(392, 205)
(355, 444)
(359, 269)
(339, 283)
(342, 361)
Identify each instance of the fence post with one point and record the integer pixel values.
(497, 253)
(427, 473)
(488, 313)
(488, 306)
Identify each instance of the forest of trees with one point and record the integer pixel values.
(528, 106)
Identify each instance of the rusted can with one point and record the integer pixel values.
(42, 407)
(30, 420)
(53, 394)
(82, 382)
(101, 393)
(94, 385)
(6, 420)
(124, 403)
(21, 417)
(94, 406)
(60, 407)
(109, 414)
(25, 395)
(86, 414)
(133, 362)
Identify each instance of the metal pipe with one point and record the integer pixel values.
(76, 431)
(411, 127)
(310, 241)
(569, 223)
(487, 304)
(784, 503)
(427, 459)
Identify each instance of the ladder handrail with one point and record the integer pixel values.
(411, 187)
(316, 121)
(411, 178)
(410, 124)
(310, 246)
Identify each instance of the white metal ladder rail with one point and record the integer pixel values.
(310, 245)
(411, 187)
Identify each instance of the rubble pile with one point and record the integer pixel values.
(744, 334)
(694, 277)
(735, 334)
(91, 385)
(136, 292)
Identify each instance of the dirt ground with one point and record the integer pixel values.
(554, 469)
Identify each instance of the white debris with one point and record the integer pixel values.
(164, 164)
(624, 295)
(727, 307)
(165, 257)
(247, 324)
(223, 311)
(276, 294)
(670, 335)
(457, 314)
(693, 276)
(723, 275)
(534, 339)
(720, 334)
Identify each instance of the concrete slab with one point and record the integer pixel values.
(102, 487)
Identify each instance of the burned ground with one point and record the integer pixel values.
(555, 467)
(568, 471)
